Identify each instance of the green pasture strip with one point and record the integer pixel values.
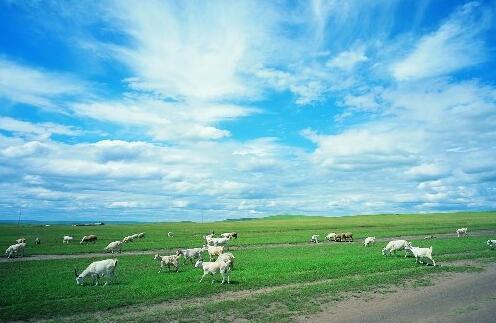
(48, 288)
(272, 230)
(274, 306)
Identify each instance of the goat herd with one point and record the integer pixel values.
(215, 246)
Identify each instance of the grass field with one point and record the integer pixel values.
(47, 287)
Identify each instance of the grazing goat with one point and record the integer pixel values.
(135, 236)
(331, 236)
(347, 236)
(21, 240)
(141, 235)
(37, 241)
(214, 251)
(90, 238)
(420, 253)
(170, 234)
(114, 246)
(191, 254)
(230, 235)
(218, 241)
(228, 258)
(461, 232)
(491, 243)
(394, 246)
(67, 239)
(314, 238)
(213, 268)
(15, 249)
(168, 261)
(368, 241)
(96, 270)
(128, 239)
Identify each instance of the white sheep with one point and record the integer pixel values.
(394, 246)
(420, 253)
(368, 241)
(192, 254)
(227, 258)
(461, 232)
(213, 268)
(67, 239)
(15, 249)
(315, 238)
(114, 246)
(214, 251)
(96, 270)
(21, 240)
(168, 261)
(491, 243)
(331, 236)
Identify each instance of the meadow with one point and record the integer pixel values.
(274, 252)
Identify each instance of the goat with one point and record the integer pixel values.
(67, 239)
(96, 270)
(394, 246)
(168, 261)
(461, 232)
(212, 268)
(87, 239)
(421, 253)
(15, 249)
(368, 241)
(114, 246)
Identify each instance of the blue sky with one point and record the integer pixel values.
(166, 110)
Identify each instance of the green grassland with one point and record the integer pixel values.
(48, 289)
(271, 230)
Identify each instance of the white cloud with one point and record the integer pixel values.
(347, 60)
(23, 84)
(44, 130)
(454, 46)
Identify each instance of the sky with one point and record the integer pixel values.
(178, 110)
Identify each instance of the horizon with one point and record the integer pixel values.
(171, 111)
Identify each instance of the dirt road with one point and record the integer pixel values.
(461, 297)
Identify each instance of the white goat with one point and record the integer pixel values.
(420, 253)
(15, 249)
(331, 236)
(315, 238)
(170, 234)
(218, 241)
(491, 243)
(135, 236)
(114, 246)
(67, 239)
(141, 235)
(214, 251)
(461, 232)
(21, 240)
(168, 261)
(368, 241)
(227, 258)
(90, 238)
(213, 268)
(192, 254)
(96, 270)
(394, 246)
(128, 239)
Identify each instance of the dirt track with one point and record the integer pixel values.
(264, 246)
(461, 297)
